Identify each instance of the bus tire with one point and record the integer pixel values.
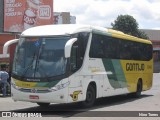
(137, 94)
(90, 96)
(43, 104)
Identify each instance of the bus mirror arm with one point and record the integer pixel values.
(68, 46)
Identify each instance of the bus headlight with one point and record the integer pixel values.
(61, 86)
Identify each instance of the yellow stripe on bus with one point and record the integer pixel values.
(24, 84)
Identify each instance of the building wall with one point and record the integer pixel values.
(72, 19)
(3, 39)
(1, 15)
(64, 18)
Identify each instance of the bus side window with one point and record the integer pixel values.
(78, 51)
(97, 47)
(73, 59)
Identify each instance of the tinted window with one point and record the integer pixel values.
(113, 48)
(78, 49)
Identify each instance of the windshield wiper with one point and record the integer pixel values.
(37, 59)
(29, 66)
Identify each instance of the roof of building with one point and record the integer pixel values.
(152, 34)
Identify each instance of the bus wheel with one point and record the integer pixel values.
(90, 97)
(137, 94)
(43, 104)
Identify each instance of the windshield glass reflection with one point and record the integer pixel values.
(40, 57)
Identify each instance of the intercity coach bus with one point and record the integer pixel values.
(79, 63)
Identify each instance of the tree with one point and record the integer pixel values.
(128, 25)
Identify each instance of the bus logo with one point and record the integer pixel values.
(75, 95)
(33, 90)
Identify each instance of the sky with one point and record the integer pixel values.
(104, 12)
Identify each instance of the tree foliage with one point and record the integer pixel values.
(128, 25)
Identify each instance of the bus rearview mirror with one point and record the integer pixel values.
(68, 46)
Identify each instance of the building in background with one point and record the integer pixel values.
(154, 36)
(4, 37)
(64, 18)
(18, 15)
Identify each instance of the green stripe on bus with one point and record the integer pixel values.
(53, 83)
(48, 84)
(119, 73)
(117, 78)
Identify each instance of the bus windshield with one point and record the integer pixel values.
(40, 57)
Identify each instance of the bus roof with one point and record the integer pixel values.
(66, 29)
(50, 30)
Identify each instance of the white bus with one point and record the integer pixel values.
(79, 63)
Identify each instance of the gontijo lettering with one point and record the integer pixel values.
(135, 67)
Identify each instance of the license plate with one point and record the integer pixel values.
(33, 97)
